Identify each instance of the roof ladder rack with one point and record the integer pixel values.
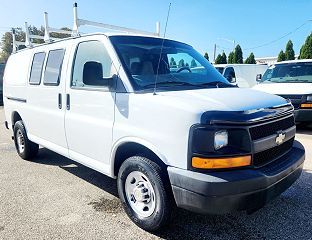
(80, 22)
(75, 32)
(15, 43)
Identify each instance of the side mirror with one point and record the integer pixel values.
(258, 77)
(230, 78)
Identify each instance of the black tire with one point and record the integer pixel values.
(30, 148)
(163, 203)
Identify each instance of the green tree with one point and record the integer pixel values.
(193, 63)
(289, 53)
(172, 63)
(231, 57)
(250, 59)
(181, 63)
(238, 54)
(224, 60)
(206, 56)
(218, 59)
(281, 56)
(306, 49)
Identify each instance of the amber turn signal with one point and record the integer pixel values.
(306, 105)
(218, 163)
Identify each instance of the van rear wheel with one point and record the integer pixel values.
(143, 194)
(24, 147)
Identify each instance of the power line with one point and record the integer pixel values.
(276, 40)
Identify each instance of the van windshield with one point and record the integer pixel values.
(300, 72)
(178, 65)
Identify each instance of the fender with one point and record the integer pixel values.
(140, 141)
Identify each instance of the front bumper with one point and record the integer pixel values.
(303, 115)
(231, 190)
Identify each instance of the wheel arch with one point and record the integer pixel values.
(15, 116)
(129, 147)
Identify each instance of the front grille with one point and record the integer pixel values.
(294, 99)
(264, 157)
(264, 130)
(291, 96)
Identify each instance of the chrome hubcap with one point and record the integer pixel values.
(20, 141)
(140, 194)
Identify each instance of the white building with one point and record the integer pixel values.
(269, 60)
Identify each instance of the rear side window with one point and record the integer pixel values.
(36, 68)
(53, 67)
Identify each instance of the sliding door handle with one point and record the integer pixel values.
(67, 101)
(60, 101)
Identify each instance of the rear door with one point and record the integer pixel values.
(89, 116)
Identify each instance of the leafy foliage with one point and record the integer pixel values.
(206, 56)
(281, 56)
(289, 53)
(221, 59)
(231, 57)
(306, 49)
(238, 54)
(193, 63)
(250, 59)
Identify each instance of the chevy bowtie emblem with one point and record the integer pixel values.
(280, 138)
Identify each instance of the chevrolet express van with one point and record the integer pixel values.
(190, 139)
(291, 80)
(242, 75)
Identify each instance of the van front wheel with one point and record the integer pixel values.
(24, 147)
(143, 194)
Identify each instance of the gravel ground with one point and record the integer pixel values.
(53, 197)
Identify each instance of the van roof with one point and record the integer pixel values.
(293, 61)
(107, 34)
(237, 64)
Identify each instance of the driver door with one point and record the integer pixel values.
(90, 106)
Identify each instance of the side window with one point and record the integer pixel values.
(92, 67)
(53, 67)
(36, 68)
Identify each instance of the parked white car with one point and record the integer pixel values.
(242, 75)
(111, 102)
(291, 80)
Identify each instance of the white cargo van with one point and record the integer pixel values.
(291, 80)
(191, 139)
(242, 75)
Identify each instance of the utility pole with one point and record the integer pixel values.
(214, 52)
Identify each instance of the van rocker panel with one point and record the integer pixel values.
(220, 192)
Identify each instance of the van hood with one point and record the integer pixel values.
(285, 88)
(224, 99)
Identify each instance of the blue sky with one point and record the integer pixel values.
(201, 23)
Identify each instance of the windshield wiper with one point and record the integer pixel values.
(170, 83)
(216, 84)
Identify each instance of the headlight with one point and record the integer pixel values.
(309, 98)
(221, 139)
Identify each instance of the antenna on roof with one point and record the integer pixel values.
(162, 46)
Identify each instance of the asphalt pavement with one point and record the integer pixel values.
(53, 197)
